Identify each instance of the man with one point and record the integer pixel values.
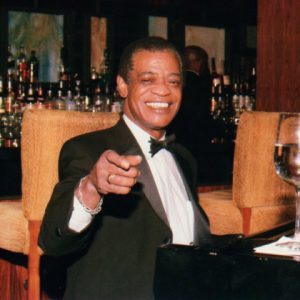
(116, 202)
(193, 124)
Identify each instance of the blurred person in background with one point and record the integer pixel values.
(193, 124)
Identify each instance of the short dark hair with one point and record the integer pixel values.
(152, 43)
(193, 52)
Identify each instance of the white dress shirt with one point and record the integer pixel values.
(170, 186)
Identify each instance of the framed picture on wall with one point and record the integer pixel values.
(98, 42)
(39, 32)
(212, 40)
(158, 26)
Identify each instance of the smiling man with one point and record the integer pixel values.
(117, 200)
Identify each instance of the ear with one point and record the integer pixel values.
(122, 87)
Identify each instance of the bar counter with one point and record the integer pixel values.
(228, 270)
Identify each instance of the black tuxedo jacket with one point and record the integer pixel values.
(114, 258)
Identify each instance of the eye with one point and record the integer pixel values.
(175, 82)
(146, 81)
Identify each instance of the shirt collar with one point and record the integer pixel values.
(142, 137)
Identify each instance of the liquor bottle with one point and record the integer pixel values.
(213, 101)
(104, 71)
(214, 73)
(40, 100)
(20, 95)
(221, 115)
(227, 87)
(86, 102)
(94, 82)
(98, 103)
(10, 95)
(49, 102)
(62, 89)
(247, 98)
(218, 115)
(252, 87)
(8, 136)
(30, 98)
(59, 102)
(69, 101)
(11, 62)
(21, 64)
(75, 83)
(33, 65)
(78, 99)
(235, 103)
(2, 105)
(229, 109)
(63, 73)
(216, 82)
(107, 98)
(98, 97)
(242, 94)
(8, 117)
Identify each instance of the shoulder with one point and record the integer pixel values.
(88, 139)
(185, 158)
(191, 76)
(188, 164)
(105, 136)
(184, 153)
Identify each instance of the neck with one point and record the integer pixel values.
(157, 134)
(154, 133)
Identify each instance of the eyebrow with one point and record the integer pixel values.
(152, 73)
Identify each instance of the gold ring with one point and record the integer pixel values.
(109, 177)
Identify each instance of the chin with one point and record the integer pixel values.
(161, 120)
(161, 126)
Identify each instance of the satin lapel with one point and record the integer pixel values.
(151, 192)
(145, 179)
(201, 225)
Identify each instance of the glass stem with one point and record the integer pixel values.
(297, 221)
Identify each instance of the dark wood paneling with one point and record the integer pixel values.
(278, 58)
(13, 276)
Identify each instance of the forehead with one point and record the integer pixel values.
(158, 59)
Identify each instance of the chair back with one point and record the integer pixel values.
(43, 134)
(255, 182)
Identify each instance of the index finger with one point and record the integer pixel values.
(122, 161)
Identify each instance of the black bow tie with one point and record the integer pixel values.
(156, 145)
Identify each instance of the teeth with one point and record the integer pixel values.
(157, 104)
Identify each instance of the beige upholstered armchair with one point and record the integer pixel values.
(259, 199)
(43, 133)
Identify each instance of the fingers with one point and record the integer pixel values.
(122, 181)
(120, 184)
(123, 161)
(114, 173)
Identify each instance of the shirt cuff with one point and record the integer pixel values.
(80, 218)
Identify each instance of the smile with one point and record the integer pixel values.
(158, 104)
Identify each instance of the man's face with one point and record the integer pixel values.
(153, 92)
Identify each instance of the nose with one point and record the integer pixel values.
(161, 89)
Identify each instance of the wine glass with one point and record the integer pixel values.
(287, 161)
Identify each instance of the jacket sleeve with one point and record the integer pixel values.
(56, 238)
